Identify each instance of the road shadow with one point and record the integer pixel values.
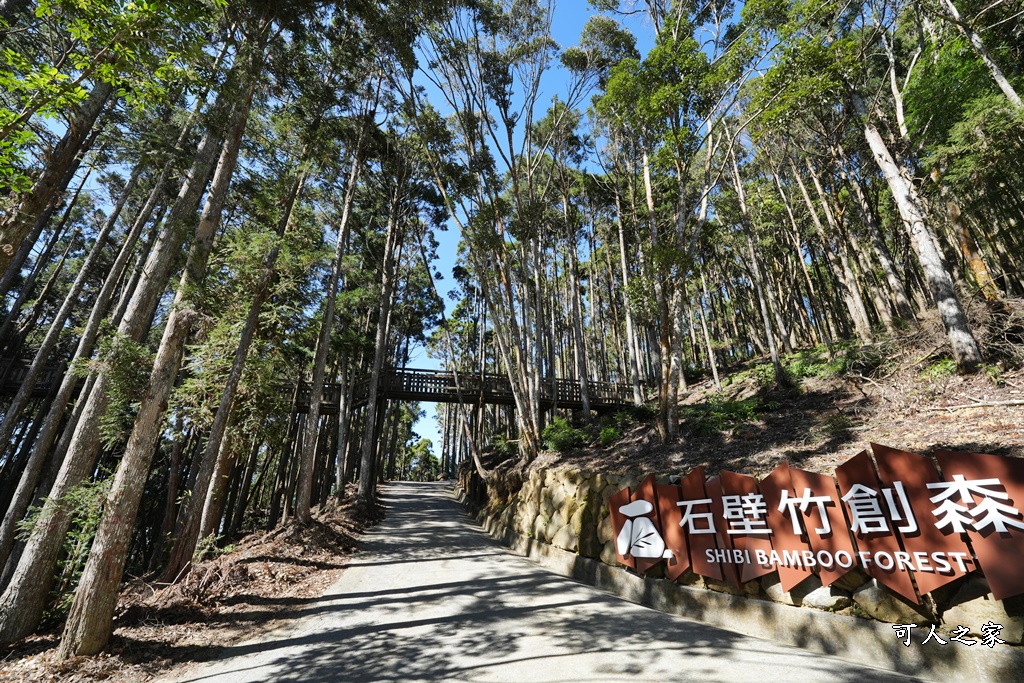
(482, 628)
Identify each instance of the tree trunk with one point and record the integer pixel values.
(965, 348)
(368, 462)
(979, 47)
(316, 389)
(755, 271)
(42, 356)
(41, 261)
(91, 617)
(196, 523)
(18, 223)
(858, 311)
(899, 293)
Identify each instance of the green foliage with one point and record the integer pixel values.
(940, 369)
(718, 413)
(127, 365)
(764, 375)
(425, 465)
(141, 48)
(503, 447)
(816, 363)
(84, 505)
(994, 373)
(610, 435)
(209, 547)
(560, 436)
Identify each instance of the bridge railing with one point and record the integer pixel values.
(438, 384)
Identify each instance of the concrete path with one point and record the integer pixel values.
(432, 598)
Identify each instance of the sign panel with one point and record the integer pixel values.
(929, 546)
(909, 524)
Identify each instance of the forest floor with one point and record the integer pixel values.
(902, 392)
(248, 588)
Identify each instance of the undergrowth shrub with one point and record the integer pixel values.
(940, 369)
(560, 436)
(84, 505)
(503, 447)
(816, 362)
(718, 413)
(610, 435)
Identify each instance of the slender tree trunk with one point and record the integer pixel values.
(41, 261)
(758, 278)
(368, 461)
(899, 293)
(305, 481)
(665, 429)
(577, 322)
(203, 504)
(57, 325)
(27, 591)
(858, 311)
(707, 337)
(965, 348)
(979, 47)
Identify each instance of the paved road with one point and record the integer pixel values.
(432, 598)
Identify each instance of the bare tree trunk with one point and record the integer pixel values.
(31, 608)
(199, 510)
(368, 461)
(899, 293)
(41, 261)
(958, 330)
(316, 389)
(577, 324)
(707, 337)
(42, 356)
(665, 429)
(755, 271)
(858, 311)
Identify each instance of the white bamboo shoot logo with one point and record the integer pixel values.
(638, 536)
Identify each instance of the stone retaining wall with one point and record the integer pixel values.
(568, 510)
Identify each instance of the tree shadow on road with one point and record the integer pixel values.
(514, 621)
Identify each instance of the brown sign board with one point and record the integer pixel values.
(929, 546)
(746, 517)
(616, 503)
(783, 533)
(675, 537)
(817, 505)
(909, 524)
(879, 548)
(698, 523)
(982, 495)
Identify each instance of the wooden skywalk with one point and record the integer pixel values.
(437, 386)
(401, 384)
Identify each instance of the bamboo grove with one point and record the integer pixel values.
(213, 210)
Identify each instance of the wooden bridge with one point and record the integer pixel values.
(399, 384)
(14, 370)
(439, 387)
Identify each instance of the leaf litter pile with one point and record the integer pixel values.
(252, 588)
